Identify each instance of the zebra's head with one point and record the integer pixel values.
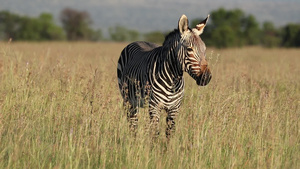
(192, 49)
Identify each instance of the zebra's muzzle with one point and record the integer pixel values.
(204, 78)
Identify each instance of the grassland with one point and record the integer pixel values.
(60, 108)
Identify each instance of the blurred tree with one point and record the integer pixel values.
(155, 37)
(44, 28)
(76, 24)
(25, 28)
(251, 30)
(118, 33)
(29, 29)
(224, 37)
(50, 31)
(37, 29)
(297, 39)
(291, 35)
(270, 35)
(96, 35)
(133, 35)
(9, 24)
(121, 34)
(233, 18)
(229, 28)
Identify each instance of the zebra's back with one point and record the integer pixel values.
(133, 70)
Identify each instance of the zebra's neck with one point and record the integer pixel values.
(172, 62)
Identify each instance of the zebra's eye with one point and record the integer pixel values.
(189, 49)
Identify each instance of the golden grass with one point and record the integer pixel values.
(60, 107)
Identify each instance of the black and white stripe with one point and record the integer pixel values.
(152, 73)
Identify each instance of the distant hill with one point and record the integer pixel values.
(149, 15)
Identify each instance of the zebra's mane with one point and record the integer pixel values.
(170, 37)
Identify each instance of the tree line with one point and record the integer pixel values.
(233, 28)
(226, 28)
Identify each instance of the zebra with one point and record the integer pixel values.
(152, 73)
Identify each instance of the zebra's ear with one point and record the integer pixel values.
(200, 27)
(183, 24)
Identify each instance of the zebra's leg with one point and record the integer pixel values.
(154, 121)
(132, 119)
(131, 116)
(170, 120)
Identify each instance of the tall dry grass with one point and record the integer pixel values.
(60, 107)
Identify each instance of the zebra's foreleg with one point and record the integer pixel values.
(154, 122)
(132, 118)
(170, 120)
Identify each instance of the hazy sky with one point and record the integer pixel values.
(148, 15)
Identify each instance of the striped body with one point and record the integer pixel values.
(154, 74)
(144, 71)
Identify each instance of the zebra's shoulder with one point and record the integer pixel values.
(144, 46)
